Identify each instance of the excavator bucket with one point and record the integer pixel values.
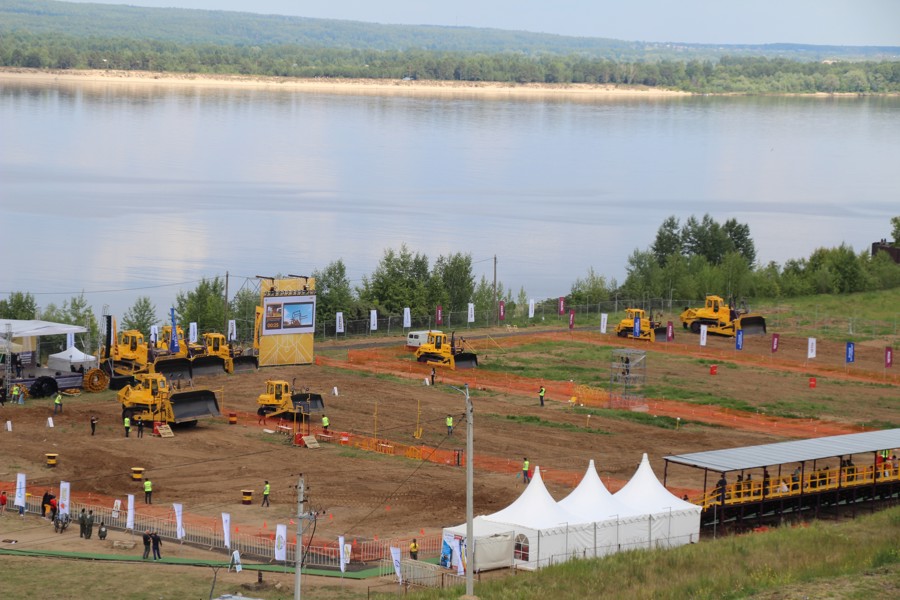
(202, 366)
(466, 360)
(173, 368)
(753, 325)
(191, 405)
(245, 363)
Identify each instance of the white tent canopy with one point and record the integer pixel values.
(71, 357)
(35, 328)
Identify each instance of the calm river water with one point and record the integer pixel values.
(121, 190)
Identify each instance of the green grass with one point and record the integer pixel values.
(862, 316)
(539, 422)
(661, 421)
(731, 567)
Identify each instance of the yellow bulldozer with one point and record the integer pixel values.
(281, 401)
(442, 350)
(647, 329)
(216, 355)
(176, 365)
(152, 399)
(722, 318)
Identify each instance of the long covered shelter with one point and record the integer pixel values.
(804, 474)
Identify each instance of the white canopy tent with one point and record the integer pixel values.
(35, 328)
(618, 526)
(673, 521)
(69, 358)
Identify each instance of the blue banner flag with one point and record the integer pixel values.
(739, 340)
(637, 328)
(851, 352)
(174, 348)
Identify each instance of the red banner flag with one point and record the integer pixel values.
(502, 310)
(439, 315)
(888, 357)
(562, 305)
(572, 318)
(775, 337)
(670, 331)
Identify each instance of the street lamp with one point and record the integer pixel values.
(470, 529)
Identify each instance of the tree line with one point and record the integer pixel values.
(748, 75)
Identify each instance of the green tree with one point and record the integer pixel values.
(242, 309)
(668, 240)
(398, 281)
(19, 306)
(333, 291)
(76, 311)
(643, 275)
(203, 305)
(590, 290)
(141, 316)
(456, 278)
(895, 232)
(741, 242)
(705, 238)
(736, 275)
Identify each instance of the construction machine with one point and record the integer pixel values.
(281, 401)
(442, 350)
(723, 318)
(216, 355)
(171, 364)
(647, 329)
(151, 398)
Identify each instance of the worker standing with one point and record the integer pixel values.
(148, 491)
(127, 423)
(57, 403)
(15, 394)
(525, 464)
(449, 424)
(93, 424)
(325, 423)
(140, 424)
(432, 375)
(414, 550)
(266, 489)
(541, 393)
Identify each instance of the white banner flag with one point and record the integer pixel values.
(461, 565)
(20, 490)
(236, 561)
(373, 320)
(339, 322)
(471, 316)
(192, 333)
(281, 542)
(226, 530)
(117, 506)
(154, 333)
(407, 317)
(811, 348)
(703, 331)
(341, 550)
(531, 308)
(604, 319)
(395, 554)
(129, 518)
(70, 340)
(65, 492)
(232, 330)
(179, 523)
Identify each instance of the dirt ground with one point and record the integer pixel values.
(357, 493)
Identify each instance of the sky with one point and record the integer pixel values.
(824, 22)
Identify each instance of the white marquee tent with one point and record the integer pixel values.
(71, 357)
(673, 521)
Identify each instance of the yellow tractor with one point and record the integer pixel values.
(171, 364)
(279, 400)
(647, 330)
(216, 355)
(438, 350)
(722, 318)
(151, 399)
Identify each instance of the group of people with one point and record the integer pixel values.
(127, 423)
(151, 539)
(86, 525)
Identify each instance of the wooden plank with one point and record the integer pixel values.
(165, 431)
(310, 441)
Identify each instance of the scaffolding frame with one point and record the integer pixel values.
(627, 377)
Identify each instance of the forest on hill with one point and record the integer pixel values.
(45, 34)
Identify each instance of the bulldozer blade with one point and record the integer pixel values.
(753, 325)
(243, 364)
(660, 333)
(466, 360)
(173, 368)
(194, 404)
(207, 365)
(308, 403)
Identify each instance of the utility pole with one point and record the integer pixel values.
(298, 547)
(225, 329)
(496, 307)
(470, 511)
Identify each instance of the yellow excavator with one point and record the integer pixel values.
(722, 318)
(152, 399)
(440, 350)
(647, 329)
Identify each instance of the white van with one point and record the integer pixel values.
(416, 338)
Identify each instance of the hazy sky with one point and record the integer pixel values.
(838, 22)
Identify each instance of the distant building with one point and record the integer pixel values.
(883, 246)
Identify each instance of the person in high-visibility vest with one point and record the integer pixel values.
(325, 423)
(525, 465)
(414, 550)
(266, 489)
(15, 394)
(127, 423)
(148, 491)
(449, 424)
(57, 403)
(541, 393)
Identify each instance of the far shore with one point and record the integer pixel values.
(329, 85)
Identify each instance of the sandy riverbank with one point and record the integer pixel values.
(338, 86)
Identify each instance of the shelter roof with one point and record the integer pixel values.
(750, 457)
(34, 328)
